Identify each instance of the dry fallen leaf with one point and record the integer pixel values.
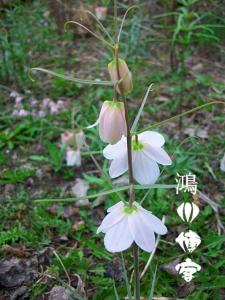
(70, 211)
(80, 188)
(170, 267)
(202, 133)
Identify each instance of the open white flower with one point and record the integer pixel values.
(125, 225)
(147, 153)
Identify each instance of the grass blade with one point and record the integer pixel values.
(153, 285)
(115, 291)
(141, 108)
(91, 32)
(179, 116)
(129, 293)
(115, 190)
(70, 78)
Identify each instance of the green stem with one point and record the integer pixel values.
(131, 178)
(129, 150)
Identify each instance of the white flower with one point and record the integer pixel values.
(147, 153)
(125, 225)
(73, 157)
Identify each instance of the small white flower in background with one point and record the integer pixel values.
(18, 101)
(222, 164)
(73, 158)
(67, 138)
(112, 124)
(73, 143)
(101, 12)
(45, 102)
(124, 225)
(147, 153)
(80, 139)
(21, 113)
(70, 138)
(14, 94)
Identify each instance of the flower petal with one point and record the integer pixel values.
(111, 219)
(153, 138)
(142, 234)
(116, 150)
(119, 237)
(117, 205)
(118, 166)
(146, 171)
(153, 222)
(157, 154)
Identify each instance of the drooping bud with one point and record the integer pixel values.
(67, 138)
(112, 123)
(74, 139)
(124, 75)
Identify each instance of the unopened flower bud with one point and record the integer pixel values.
(67, 138)
(112, 123)
(124, 75)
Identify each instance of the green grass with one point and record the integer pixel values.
(31, 144)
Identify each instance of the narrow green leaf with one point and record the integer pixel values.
(115, 291)
(70, 78)
(133, 128)
(153, 285)
(179, 116)
(129, 293)
(115, 190)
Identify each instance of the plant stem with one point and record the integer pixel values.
(131, 178)
(129, 152)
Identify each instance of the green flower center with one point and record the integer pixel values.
(130, 209)
(137, 146)
(114, 104)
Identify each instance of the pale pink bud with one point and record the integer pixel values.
(101, 12)
(67, 138)
(124, 75)
(112, 124)
(80, 139)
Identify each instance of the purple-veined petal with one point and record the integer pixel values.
(119, 237)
